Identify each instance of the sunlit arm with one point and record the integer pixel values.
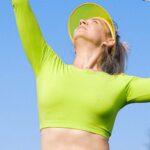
(138, 90)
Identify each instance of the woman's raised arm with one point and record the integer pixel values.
(32, 39)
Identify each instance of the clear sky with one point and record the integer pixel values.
(19, 126)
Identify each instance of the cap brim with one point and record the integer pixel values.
(86, 11)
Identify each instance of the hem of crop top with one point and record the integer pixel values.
(69, 124)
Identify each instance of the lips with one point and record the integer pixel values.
(81, 27)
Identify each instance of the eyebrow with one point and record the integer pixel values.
(96, 19)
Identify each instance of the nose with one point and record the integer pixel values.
(82, 22)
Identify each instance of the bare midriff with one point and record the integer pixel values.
(71, 139)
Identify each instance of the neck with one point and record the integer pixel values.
(87, 56)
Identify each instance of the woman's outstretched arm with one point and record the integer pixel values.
(138, 90)
(32, 39)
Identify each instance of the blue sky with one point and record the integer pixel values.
(19, 126)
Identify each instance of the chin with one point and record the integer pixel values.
(80, 36)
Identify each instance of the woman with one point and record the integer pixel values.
(78, 102)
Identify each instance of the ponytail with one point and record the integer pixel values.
(116, 63)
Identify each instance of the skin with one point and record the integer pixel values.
(88, 46)
(71, 139)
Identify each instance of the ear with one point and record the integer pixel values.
(109, 43)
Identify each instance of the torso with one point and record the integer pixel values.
(71, 139)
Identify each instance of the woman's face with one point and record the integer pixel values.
(93, 29)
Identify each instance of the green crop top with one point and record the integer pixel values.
(71, 97)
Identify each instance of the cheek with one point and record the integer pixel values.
(96, 34)
(100, 34)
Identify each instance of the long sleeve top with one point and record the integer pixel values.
(71, 97)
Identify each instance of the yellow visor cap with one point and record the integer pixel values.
(87, 11)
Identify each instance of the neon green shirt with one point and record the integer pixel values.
(71, 97)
